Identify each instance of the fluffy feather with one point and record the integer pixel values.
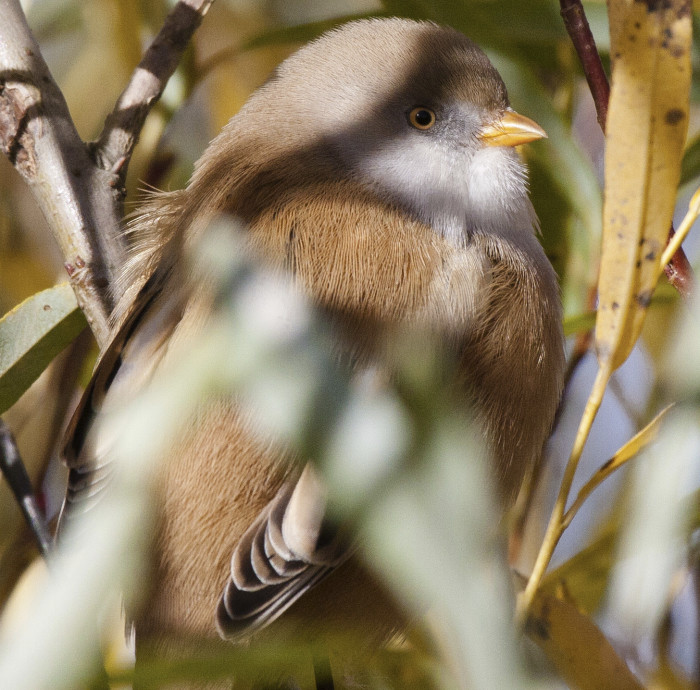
(384, 226)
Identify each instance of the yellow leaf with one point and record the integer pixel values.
(576, 647)
(646, 129)
(627, 452)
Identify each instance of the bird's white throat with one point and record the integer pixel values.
(456, 191)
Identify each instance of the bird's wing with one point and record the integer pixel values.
(124, 367)
(288, 549)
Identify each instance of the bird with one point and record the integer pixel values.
(377, 169)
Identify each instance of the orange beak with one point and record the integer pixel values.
(512, 129)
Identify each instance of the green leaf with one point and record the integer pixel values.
(579, 323)
(572, 178)
(690, 166)
(32, 334)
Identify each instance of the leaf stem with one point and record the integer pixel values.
(556, 525)
(683, 229)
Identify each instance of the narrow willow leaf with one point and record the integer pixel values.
(646, 129)
(579, 323)
(585, 575)
(571, 641)
(587, 572)
(32, 334)
(627, 452)
(690, 168)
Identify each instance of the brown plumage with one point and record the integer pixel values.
(385, 223)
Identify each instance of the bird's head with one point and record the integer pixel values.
(417, 113)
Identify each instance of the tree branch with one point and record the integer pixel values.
(40, 140)
(14, 471)
(79, 188)
(116, 143)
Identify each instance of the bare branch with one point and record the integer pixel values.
(80, 188)
(679, 272)
(116, 143)
(580, 33)
(15, 473)
(40, 140)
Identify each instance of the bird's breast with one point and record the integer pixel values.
(364, 256)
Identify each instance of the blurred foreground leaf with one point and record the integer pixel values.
(403, 668)
(585, 576)
(576, 646)
(32, 334)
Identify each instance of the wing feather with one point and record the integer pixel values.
(284, 553)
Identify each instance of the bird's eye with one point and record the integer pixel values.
(421, 118)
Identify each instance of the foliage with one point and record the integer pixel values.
(429, 519)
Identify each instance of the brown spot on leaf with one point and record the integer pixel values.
(606, 464)
(644, 299)
(674, 116)
(659, 5)
(538, 627)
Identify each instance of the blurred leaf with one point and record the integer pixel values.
(507, 26)
(584, 577)
(554, 210)
(401, 669)
(109, 51)
(32, 334)
(569, 172)
(690, 167)
(647, 124)
(670, 678)
(577, 648)
(579, 323)
(301, 32)
(433, 535)
(597, 15)
(653, 545)
(54, 17)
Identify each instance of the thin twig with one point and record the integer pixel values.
(580, 33)
(679, 272)
(555, 527)
(14, 471)
(121, 132)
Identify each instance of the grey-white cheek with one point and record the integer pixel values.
(497, 190)
(455, 190)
